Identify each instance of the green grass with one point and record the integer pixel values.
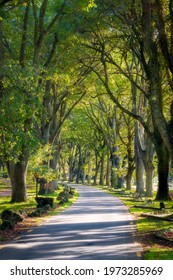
(144, 225)
(147, 225)
(31, 203)
(150, 225)
(6, 204)
(159, 254)
(3, 186)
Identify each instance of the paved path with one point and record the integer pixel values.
(97, 227)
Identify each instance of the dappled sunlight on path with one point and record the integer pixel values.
(98, 226)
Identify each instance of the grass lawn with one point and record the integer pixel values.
(154, 247)
(30, 206)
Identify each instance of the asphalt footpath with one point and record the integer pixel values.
(97, 227)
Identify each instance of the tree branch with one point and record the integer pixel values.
(23, 43)
(52, 52)
(42, 15)
(66, 116)
(4, 2)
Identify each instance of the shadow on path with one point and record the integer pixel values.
(97, 227)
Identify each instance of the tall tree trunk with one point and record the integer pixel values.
(131, 165)
(71, 169)
(163, 172)
(102, 169)
(80, 172)
(149, 166)
(72, 163)
(139, 159)
(56, 150)
(139, 171)
(149, 179)
(114, 168)
(55, 159)
(137, 148)
(1, 60)
(96, 169)
(24, 36)
(128, 177)
(45, 122)
(163, 141)
(64, 174)
(113, 177)
(83, 178)
(17, 173)
(89, 170)
(108, 170)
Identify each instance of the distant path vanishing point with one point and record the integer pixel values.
(97, 227)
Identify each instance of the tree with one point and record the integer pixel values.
(140, 41)
(25, 76)
(78, 145)
(103, 117)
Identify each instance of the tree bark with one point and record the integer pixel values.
(102, 169)
(163, 172)
(114, 168)
(89, 170)
(56, 150)
(80, 171)
(108, 170)
(24, 36)
(131, 164)
(149, 179)
(97, 165)
(139, 171)
(17, 173)
(154, 67)
(128, 177)
(71, 168)
(43, 186)
(148, 157)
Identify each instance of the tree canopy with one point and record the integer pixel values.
(91, 80)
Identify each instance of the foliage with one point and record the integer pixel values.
(38, 164)
(55, 53)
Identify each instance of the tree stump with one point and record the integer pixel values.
(43, 201)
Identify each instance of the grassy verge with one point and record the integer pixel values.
(154, 248)
(28, 207)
